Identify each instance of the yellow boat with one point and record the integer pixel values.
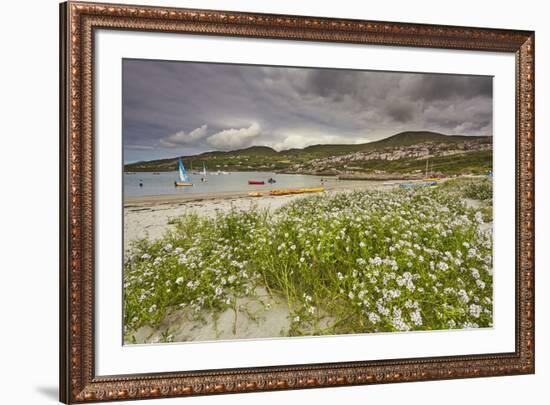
(255, 194)
(312, 190)
(297, 191)
(182, 184)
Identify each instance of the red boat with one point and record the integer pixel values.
(256, 182)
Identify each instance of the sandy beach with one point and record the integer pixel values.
(149, 216)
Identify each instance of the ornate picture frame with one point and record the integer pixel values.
(78, 379)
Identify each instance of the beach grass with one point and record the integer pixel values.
(349, 262)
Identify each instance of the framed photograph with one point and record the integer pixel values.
(257, 202)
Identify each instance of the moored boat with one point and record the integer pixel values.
(297, 191)
(431, 184)
(256, 182)
(255, 194)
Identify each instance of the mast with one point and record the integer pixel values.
(426, 168)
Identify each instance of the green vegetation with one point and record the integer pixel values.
(347, 263)
(472, 162)
(470, 187)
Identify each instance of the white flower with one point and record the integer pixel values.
(218, 291)
(374, 318)
(179, 281)
(443, 266)
(416, 318)
(475, 310)
(168, 247)
(463, 296)
(479, 217)
(146, 256)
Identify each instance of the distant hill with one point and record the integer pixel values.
(330, 158)
(415, 137)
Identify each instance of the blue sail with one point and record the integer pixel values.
(182, 172)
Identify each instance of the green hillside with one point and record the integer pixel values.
(264, 158)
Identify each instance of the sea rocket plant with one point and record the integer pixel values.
(351, 262)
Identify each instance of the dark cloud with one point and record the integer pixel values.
(447, 87)
(172, 108)
(401, 110)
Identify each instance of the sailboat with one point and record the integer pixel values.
(425, 182)
(203, 173)
(183, 177)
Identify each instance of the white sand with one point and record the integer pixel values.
(252, 319)
(259, 316)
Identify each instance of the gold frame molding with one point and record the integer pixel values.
(78, 381)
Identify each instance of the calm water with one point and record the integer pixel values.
(163, 183)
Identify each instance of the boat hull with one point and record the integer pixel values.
(431, 184)
(256, 182)
(182, 184)
(297, 191)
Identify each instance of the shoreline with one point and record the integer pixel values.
(178, 199)
(151, 216)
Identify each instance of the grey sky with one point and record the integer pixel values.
(184, 108)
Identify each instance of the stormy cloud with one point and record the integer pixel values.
(183, 108)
